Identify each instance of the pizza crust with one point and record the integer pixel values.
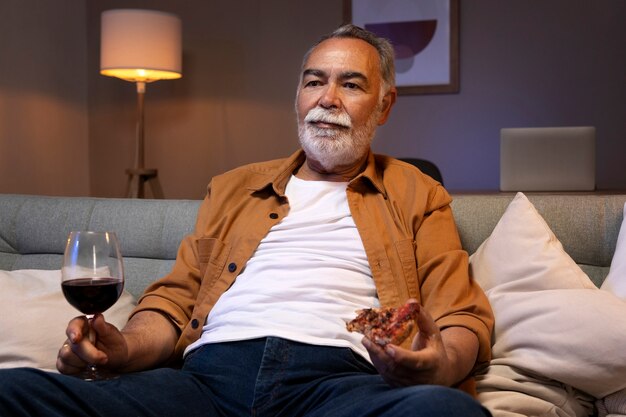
(386, 325)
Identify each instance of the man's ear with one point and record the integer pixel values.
(387, 103)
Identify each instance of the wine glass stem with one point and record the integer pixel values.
(92, 333)
(91, 371)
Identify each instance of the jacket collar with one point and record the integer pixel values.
(277, 178)
(372, 175)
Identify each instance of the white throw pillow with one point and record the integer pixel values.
(550, 319)
(34, 315)
(615, 282)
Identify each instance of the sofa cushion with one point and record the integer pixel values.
(510, 392)
(34, 229)
(615, 404)
(615, 281)
(548, 317)
(34, 315)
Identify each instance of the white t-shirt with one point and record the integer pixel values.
(306, 278)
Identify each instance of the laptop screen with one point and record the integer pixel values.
(547, 159)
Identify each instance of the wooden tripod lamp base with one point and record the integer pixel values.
(138, 178)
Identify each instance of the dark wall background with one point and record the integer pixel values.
(43, 97)
(523, 63)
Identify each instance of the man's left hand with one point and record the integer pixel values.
(436, 357)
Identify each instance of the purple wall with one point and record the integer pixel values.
(548, 63)
(523, 63)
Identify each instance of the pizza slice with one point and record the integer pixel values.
(386, 325)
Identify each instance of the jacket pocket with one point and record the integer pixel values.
(210, 253)
(406, 253)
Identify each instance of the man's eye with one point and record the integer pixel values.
(313, 83)
(351, 86)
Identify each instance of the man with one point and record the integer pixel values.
(283, 254)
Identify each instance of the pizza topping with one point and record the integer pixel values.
(386, 325)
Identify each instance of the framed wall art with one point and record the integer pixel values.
(425, 37)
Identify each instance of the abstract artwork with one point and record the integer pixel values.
(425, 37)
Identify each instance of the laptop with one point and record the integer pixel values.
(548, 159)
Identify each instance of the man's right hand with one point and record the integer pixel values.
(147, 340)
(110, 349)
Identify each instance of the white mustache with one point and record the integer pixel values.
(320, 115)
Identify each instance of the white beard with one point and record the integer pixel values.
(336, 147)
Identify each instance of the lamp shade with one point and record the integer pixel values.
(140, 45)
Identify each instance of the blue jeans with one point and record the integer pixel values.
(267, 377)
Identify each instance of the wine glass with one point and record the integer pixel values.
(92, 278)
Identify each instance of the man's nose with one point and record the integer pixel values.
(330, 97)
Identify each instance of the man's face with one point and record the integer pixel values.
(340, 103)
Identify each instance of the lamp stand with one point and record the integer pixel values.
(139, 176)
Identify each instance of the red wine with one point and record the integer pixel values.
(92, 295)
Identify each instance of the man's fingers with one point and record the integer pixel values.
(79, 349)
(380, 358)
(426, 323)
(76, 329)
(67, 361)
(99, 326)
(428, 331)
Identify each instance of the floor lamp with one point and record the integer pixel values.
(140, 46)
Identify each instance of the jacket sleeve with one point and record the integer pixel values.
(447, 291)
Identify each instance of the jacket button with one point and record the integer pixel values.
(232, 267)
(194, 323)
(273, 215)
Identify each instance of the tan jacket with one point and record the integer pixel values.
(404, 220)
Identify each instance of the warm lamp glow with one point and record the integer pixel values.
(132, 74)
(140, 45)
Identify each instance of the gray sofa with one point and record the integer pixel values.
(587, 224)
(33, 229)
